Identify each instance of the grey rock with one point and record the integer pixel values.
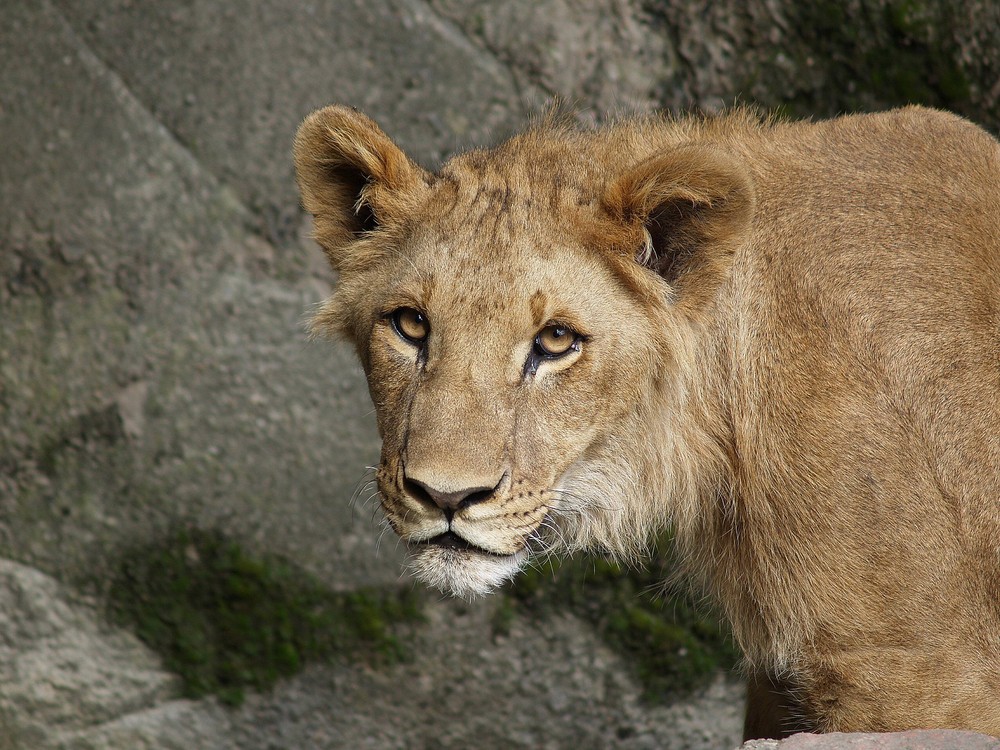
(59, 670)
(601, 55)
(233, 86)
(175, 725)
(68, 682)
(551, 684)
(164, 376)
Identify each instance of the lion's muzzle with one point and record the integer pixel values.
(471, 530)
(498, 516)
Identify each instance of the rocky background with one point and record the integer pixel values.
(182, 562)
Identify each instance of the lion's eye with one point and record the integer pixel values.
(410, 324)
(555, 341)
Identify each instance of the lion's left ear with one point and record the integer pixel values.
(351, 176)
(694, 205)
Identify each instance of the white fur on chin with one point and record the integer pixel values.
(464, 573)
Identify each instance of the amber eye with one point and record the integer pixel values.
(555, 341)
(410, 324)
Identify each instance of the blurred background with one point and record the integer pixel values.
(181, 561)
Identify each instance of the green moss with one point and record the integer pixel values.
(672, 645)
(226, 621)
(879, 55)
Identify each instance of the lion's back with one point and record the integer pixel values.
(872, 287)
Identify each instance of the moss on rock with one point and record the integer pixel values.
(226, 620)
(865, 55)
(672, 645)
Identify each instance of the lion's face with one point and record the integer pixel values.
(514, 348)
(495, 374)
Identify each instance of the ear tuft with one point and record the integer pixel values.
(691, 208)
(350, 175)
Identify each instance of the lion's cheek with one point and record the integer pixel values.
(565, 418)
(389, 384)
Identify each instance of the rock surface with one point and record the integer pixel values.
(65, 680)
(155, 272)
(156, 366)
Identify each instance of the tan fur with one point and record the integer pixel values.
(791, 356)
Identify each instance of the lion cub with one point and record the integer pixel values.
(782, 339)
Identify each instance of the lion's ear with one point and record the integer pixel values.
(694, 205)
(351, 176)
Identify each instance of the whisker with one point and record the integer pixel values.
(551, 526)
(364, 482)
(538, 546)
(357, 502)
(358, 489)
(378, 541)
(376, 507)
(543, 557)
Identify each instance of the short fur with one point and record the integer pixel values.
(790, 354)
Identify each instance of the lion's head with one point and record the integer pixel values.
(527, 318)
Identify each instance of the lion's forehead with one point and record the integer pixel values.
(513, 284)
(503, 196)
(530, 171)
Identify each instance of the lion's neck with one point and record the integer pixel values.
(727, 547)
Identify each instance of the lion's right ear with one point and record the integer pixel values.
(689, 209)
(351, 176)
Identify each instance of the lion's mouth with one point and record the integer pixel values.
(451, 540)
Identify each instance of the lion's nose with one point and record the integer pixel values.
(448, 501)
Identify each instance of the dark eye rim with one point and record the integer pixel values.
(393, 318)
(540, 351)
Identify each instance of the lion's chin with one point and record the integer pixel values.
(464, 573)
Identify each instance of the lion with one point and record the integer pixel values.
(779, 339)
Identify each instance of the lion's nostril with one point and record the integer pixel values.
(417, 490)
(476, 497)
(449, 502)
